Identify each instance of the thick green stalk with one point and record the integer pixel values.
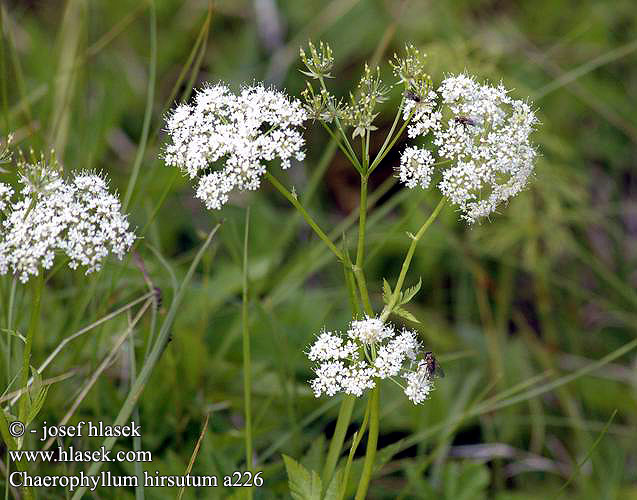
(336, 444)
(308, 218)
(26, 353)
(372, 443)
(407, 262)
(247, 366)
(358, 436)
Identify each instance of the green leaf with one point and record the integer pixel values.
(304, 485)
(37, 396)
(386, 292)
(404, 313)
(333, 489)
(313, 459)
(408, 294)
(5, 420)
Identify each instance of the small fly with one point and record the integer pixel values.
(465, 120)
(410, 94)
(433, 367)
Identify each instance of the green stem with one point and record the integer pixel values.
(247, 370)
(353, 156)
(360, 250)
(340, 145)
(350, 282)
(388, 138)
(372, 442)
(308, 218)
(381, 154)
(26, 353)
(336, 444)
(410, 253)
(358, 436)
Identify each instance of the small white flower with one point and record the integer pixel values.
(330, 346)
(224, 140)
(416, 167)
(419, 383)
(79, 218)
(392, 357)
(370, 351)
(369, 331)
(358, 378)
(425, 117)
(328, 378)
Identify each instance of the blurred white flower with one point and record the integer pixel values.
(6, 192)
(370, 351)
(79, 218)
(484, 137)
(224, 140)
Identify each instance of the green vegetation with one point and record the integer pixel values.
(532, 315)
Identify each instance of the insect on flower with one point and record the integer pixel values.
(433, 367)
(410, 94)
(465, 120)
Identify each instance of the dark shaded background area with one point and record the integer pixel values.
(544, 289)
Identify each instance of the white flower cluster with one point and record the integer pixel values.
(416, 167)
(240, 133)
(485, 138)
(79, 218)
(370, 351)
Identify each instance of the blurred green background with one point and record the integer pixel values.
(538, 293)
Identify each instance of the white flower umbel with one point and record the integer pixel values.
(368, 352)
(486, 138)
(483, 136)
(80, 219)
(225, 140)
